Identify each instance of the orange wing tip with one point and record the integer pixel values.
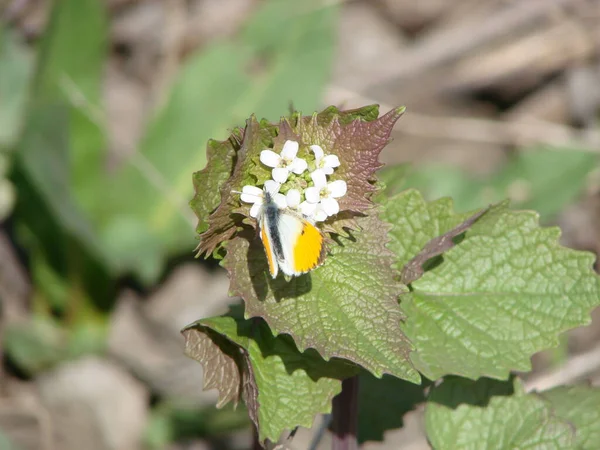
(309, 251)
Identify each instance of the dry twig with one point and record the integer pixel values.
(577, 368)
(438, 48)
(480, 130)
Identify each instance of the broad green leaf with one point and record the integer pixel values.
(60, 153)
(347, 308)
(216, 89)
(416, 267)
(15, 73)
(455, 421)
(415, 223)
(383, 402)
(282, 388)
(579, 405)
(43, 170)
(69, 72)
(503, 293)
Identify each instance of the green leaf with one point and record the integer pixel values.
(579, 406)
(15, 73)
(394, 179)
(415, 268)
(207, 182)
(415, 223)
(218, 87)
(36, 345)
(69, 75)
(383, 402)
(454, 391)
(506, 291)
(43, 169)
(484, 416)
(281, 387)
(347, 308)
(61, 151)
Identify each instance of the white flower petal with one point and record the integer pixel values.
(280, 174)
(298, 166)
(280, 201)
(251, 194)
(255, 209)
(327, 170)
(307, 208)
(290, 150)
(337, 188)
(272, 187)
(250, 198)
(319, 178)
(293, 198)
(319, 215)
(269, 158)
(331, 161)
(312, 194)
(330, 206)
(318, 151)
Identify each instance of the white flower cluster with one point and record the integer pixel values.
(319, 199)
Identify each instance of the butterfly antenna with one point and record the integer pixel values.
(240, 192)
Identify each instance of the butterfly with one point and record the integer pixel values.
(292, 243)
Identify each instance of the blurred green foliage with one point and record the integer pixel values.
(83, 228)
(15, 72)
(169, 422)
(544, 179)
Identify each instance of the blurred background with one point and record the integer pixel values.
(105, 110)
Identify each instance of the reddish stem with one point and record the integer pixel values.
(345, 416)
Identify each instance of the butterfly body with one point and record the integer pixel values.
(292, 243)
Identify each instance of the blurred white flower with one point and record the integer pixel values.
(326, 163)
(284, 163)
(256, 196)
(324, 193)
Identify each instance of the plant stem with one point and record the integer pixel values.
(345, 416)
(256, 445)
